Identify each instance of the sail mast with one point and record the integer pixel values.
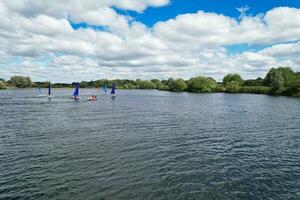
(113, 89)
(49, 89)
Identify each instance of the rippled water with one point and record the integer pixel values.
(149, 145)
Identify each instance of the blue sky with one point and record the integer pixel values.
(226, 7)
(54, 40)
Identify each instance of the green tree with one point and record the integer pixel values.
(20, 81)
(294, 87)
(254, 82)
(201, 84)
(232, 87)
(2, 85)
(255, 89)
(275, 80)
(177, 85)
(288, 74)
(101, 83)
(141, 84)
(219, 88)
(233, 77)
(157, 83)
(83, 84)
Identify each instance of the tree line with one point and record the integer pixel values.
(278, 81)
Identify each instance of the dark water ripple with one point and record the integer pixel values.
(149, 145)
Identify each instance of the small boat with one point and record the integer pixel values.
(49, 90)
(40, 93)
(105, 89)
(113, 90)
(92, 98)
(76, 92)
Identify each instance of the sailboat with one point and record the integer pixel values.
(40, 93)
(113, 90)
(104, 89)
(76, 91)
(49, 90)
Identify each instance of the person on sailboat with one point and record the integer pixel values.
(92, 98)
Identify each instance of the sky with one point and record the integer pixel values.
(75, 40)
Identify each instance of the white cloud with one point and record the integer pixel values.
(39, 34)
(277, 25)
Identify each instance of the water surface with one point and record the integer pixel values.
(149, 145)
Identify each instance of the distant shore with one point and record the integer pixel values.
(281, 81)
(243, 90)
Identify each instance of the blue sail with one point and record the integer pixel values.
(113, 89)
(49, 89)
(105, 89)
(76, 92)
(40, 90)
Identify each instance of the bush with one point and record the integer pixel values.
(232, 77)
(177, 85)
(201, 84)
(294, 88)
(2, 85)
(157, 83)
(232, 87)
(275, 80)
(20, 81)
(164, 87)
(254, 82)
(145, 84)
(255, 89)
(219, 88)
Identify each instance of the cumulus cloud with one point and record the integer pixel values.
(39, 36)
(277, 25)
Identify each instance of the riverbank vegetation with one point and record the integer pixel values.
(2, 85)
(278, 81)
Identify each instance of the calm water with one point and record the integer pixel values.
(149, 145)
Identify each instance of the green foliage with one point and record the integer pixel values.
(288, 74)
(201, 84)
(177, 85)
(2, 85)
(219, 88)
(233, 77)
(141, 84)
(294, 88)
(232, 87)
(254, 82)
(275, 80)
(279, 81)
(157, 83)
(20, 81)
(83, 84)
(59, 85)
(101, 83)
(255, 89)
(283, 80)
(40, 84)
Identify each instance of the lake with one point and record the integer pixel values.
(148, 145)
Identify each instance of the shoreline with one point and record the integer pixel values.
(214, 92)
(281, 81)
